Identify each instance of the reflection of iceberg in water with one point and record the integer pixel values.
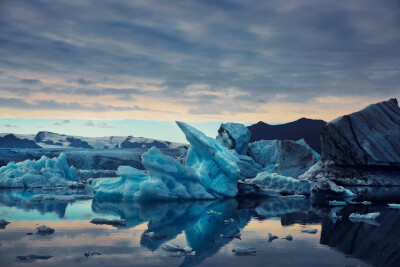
(168, 220)
(21, 199)
(378, 245)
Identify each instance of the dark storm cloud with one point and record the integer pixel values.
(293, 50)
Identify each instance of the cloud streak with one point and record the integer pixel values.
(243, 58)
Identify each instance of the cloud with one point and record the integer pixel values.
(30, 81)
(103, 125)
(269, 51)
(83, 81)
(10, 125)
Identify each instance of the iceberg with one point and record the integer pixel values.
(367, 218)
(282, 184)
(361, 148)
(40, 173)
(214, 163)
(234, 136)
(167, 180)
(284, 157)
(44, 230)
(248, 167)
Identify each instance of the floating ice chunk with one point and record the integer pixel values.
(289, 237)
(325, 186)
(211, 212)
(282, 184)
(337, 203)
(309, 231)
(231, 220)
(244, 251)
(44, 230)
(356, 217)
(115, 222)
(394, 206)
(171, 247)
(40, 173)
(214, 164)
(271, 237)
(294, 196)
(167, 180)
(234, 136)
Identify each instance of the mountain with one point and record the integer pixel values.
(45, 139)
(11, 141)
(307, 129)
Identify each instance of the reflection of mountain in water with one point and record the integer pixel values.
(378, 245)
(21, 199)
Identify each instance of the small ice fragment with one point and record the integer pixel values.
(95, 253)
(356, 217)
(44, 230)
(337, 203)
(108, 222)
(310, 231)
(29, 233)
(231, 220)
(289, 237)
(244, 251)
(394, 206)
(171, 247)
(91, 253)
(271, 237)
(211, 212)
(366, 202)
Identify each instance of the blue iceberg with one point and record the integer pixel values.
(38, 173)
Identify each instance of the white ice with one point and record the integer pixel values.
(356, 217)
(39, 173)
(394, 206)
(337, 203)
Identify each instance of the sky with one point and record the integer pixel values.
(125, 65)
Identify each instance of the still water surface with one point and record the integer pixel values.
(340, 243)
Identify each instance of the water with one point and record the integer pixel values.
(343, 243)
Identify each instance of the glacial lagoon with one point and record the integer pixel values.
(338, 242)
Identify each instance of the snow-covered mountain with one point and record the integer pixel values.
(54, 140)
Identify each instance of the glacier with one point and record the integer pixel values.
(40, 173)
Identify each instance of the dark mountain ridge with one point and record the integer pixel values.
(308, 129)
